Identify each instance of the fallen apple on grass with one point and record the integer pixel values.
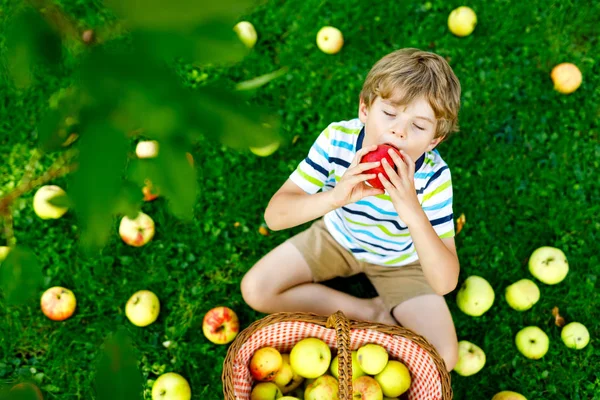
(246, 32)
(138, 231)
(575, 335)
(265, 364)
(475, 296)
(549, 265)
(265, 151)
(310, 357)
(171, 386)
(532, 342)
(4, 252)
(508, 395)
(380, 153)
(220, 325)
(142, 308)
(522, 295)
(462, 21)
(26, 391)
(471, 358)
(330, 40)
(566, 78)
(147, 149)
(58, 303)
(41, 202)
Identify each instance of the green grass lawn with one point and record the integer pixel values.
(525, 174)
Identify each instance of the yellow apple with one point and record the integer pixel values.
(566, 78)
(288, 398)
(265, 364)
(265, 391)
(475, 296)
(221, 325)
(142, 308)
(287, 379)
(4, 252)
(575, 335)
(41, 205)
(549, 265)
(147, 149)
(58, 303)
(324, 387)
(356, 370)
(366, 388)
(522, 295)
(171, 386)
(330, 40)
(508, 395)
(372, 358)
(532, 342)
(138, 231)
(394, 379)
(265, 151)
(471, 359)
(310, 357)
(462, 21)
(246, 32)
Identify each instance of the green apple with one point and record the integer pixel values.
(532, 342)
(372, 358)
(4, 252)
(310, 357)
(41, 202)
(549, 265)
(356, 369)
(265, 151)
(266, 391)
(575, 335)
(246, 32)
(171, 386)
(462, 21)
(330, 40)
(475, 296)
(471, 359)
(288, 398)
(508, 395)
(522, 295)
(281, 379)
(366, 388)
(394, 379)
(142, 308)
(324, 387)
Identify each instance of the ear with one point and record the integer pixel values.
(363, 111)
(433, 143)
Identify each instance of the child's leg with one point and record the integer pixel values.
(429, 316)
(283, 281)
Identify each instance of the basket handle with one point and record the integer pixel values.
(340, 323)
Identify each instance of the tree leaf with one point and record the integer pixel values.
(62, 200)
(20, 275)
(262, 80)
(117, 374)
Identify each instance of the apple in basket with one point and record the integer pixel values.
(372, 358)
(394, 379)
(265, 364)
(366, 388)
(265, 391)
(324, 387)
(310, 357)
(287, 379)
(356, 369)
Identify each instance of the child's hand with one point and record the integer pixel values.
(352, 187)
(401, 185)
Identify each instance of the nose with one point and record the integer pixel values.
(398, 129)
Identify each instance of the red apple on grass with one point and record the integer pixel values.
(220, 325)
(378, 155)
(138, 231)
(58, 303)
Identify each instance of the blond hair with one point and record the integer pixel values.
(413, 73)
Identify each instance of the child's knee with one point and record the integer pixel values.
(254, 291)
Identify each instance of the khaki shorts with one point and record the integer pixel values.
(327, 259)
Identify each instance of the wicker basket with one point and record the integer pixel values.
(430, 380)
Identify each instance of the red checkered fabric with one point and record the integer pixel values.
(426, 381)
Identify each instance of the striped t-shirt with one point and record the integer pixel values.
(371, 228)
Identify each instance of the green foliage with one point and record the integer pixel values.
(20, 275)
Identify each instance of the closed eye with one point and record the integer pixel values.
(388, 114)
(418, 127)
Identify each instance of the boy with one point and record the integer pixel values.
(401, 238)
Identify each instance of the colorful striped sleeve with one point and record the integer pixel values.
(313, 171)
(437, 203)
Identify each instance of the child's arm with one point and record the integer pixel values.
(291, 206)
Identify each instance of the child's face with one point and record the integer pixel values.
(410, 128)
